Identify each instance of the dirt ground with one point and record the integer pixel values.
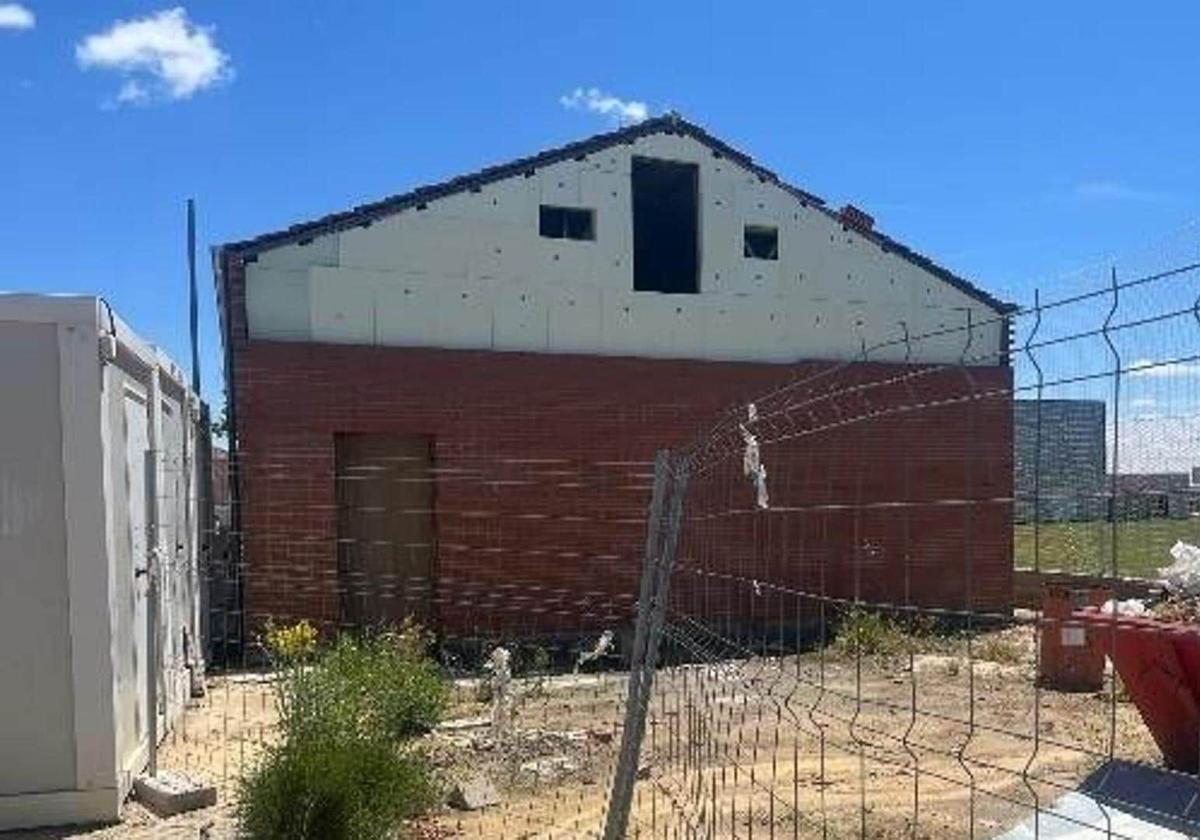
(779, 746)
(804, 747)
(217, 737)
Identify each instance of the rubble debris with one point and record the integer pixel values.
(602, 736)
(550, 769)
(1177, 609)
(459, 724)
(474, 794)
(1182, 577)
(1181, 580)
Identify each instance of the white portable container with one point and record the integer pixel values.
(84, 400)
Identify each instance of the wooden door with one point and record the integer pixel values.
(385, 529)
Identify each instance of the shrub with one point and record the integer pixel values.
(999, 648)
(412, 640)
(290, 643)
(333, 790)
(373, 688)
(869, 633)
(341, 769)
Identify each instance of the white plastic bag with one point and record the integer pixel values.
(752, 464)
(1183, 576)
(602, 647)
(1130, 606)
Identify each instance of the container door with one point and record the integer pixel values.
(132, 668)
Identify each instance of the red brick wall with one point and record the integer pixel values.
(889, 485)
(544, 465)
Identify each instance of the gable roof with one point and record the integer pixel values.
(366, 214)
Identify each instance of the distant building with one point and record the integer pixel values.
(1162, 482)
(1166, 494)
(1069, 480)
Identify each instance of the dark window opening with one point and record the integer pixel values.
(566, 222)
(760, 242)
(666, 222)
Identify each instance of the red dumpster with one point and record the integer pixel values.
(1159, 663)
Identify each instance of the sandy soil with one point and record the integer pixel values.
(218, 736)
(800, 747)
(757, 747)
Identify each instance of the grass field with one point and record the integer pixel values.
(1142, 545)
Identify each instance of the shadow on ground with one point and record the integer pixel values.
(1120, 799)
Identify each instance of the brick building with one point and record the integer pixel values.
(458, 391)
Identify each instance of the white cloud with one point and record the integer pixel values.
(163, 55)
(16, 16)
(132, 91)
(1163, 370)
(598, 102)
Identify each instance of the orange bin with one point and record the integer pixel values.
(1073, 650)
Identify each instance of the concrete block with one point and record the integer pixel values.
(473, 794)
(172, 792)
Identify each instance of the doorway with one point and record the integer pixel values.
(385, 542)
(666, 220)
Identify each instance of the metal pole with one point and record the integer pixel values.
(662, 465)
(193, 296)
(626, 770)
(665, 568)
(206, 531)
(152, 608)
(656, 574)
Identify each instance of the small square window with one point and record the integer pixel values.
(566, 222)
(760, 242)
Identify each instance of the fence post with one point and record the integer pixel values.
(670, 482)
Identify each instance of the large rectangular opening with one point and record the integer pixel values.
(666, 222)
(385, 544)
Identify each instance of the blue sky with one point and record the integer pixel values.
(1017, 143)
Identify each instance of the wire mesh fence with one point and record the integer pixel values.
(798, 622)
(840, 605)
(534, 644)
